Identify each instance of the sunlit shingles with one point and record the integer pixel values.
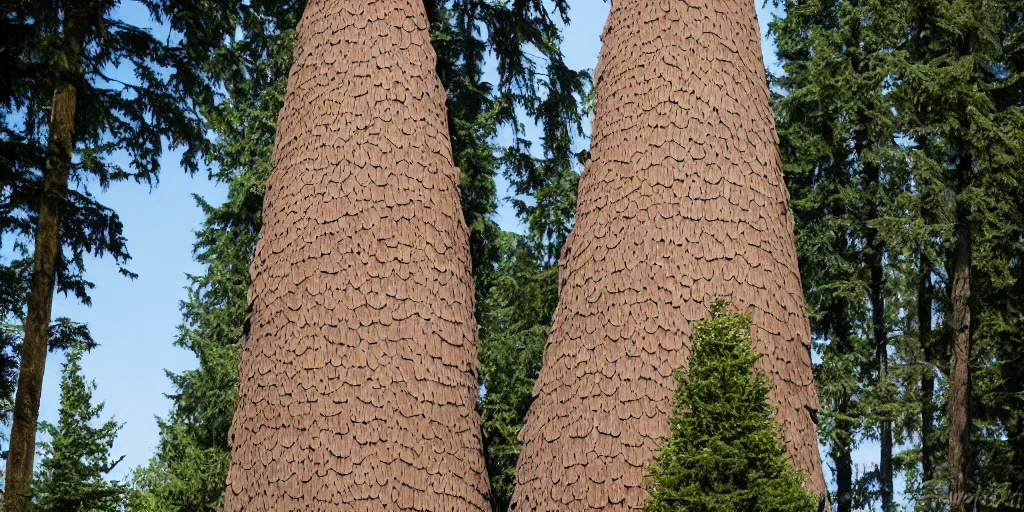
(682, 202)
(358, 374)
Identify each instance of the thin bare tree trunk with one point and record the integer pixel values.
(358, 379)
(842, 455)
(841, 450)
(59, 150)
(959, 375)
(881, 337)
(683, 201)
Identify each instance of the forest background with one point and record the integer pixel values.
(136, 322)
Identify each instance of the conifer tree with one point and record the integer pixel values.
(940, 89)
(851, 186)
(63, 95)
(76, 459)
(963, 109)
(513, 329)
(724, 453)
(1000, 332)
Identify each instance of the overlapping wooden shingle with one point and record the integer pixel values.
(358, 375)
(682, 202)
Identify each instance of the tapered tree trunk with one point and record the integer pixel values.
(56, 171)
(683, 201)
(358, 377)
(959, 375)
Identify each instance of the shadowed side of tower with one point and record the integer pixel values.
(683, 201)
(358, 375)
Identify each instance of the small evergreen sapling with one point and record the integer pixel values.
(72, 475)
(724, 452)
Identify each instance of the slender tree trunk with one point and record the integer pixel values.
(683, 201)
(842, 456)
(874, 258)
(959, 375)
(841, 448)
(358, 381)
(880, 333)
(59, 150)
(924, 329)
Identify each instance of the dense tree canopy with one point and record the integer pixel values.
(80, 87)
(900, 129)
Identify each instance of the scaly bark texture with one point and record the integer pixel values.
(358, 375)
(682, 202)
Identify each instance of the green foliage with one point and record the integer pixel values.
(724, 453)
(853, 203)
(964, 111)
(190, 466)
(133, 118)
(129, 108)
(72, 475)
(896, 119)
(525, 93)
(513, 331)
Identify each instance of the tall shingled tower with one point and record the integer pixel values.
(683, 201)
(358, 375)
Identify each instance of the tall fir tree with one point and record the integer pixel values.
(76, 458)
(963, 110)
(1001, 283)
(943, 79)
(851, 190)
(66, 113)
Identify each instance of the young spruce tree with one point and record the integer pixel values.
(72, 474)
(724, 453)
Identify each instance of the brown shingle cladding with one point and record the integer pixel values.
(358, 377)
(682, 201)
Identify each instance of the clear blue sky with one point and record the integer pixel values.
(135, 322)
